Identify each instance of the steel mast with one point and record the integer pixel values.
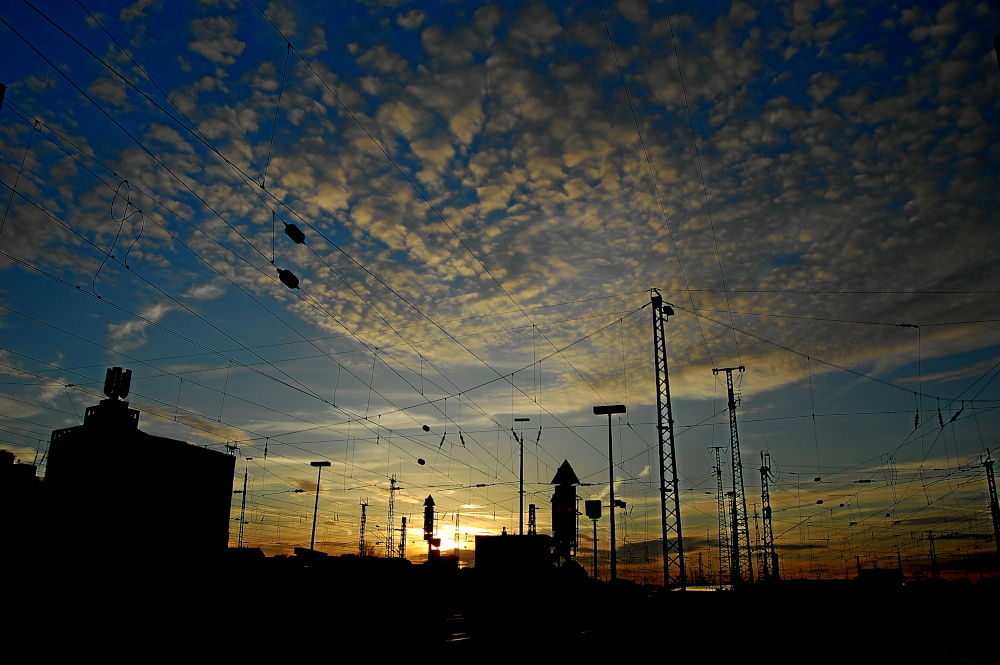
(390, 545)
(769, 557)
(994, 503)
(740, 558)
(720, 495)
(362, 546)
(670, 502)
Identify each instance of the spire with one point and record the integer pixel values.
(565, 475)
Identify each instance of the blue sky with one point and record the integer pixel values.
(487, 192)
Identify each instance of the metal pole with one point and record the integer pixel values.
(670, 510)
(611, 480)
(319, 472)
(595, 550)
(608, 410)
(520, 440)
(243, 505)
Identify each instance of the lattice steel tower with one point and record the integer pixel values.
(994, 503)
(935, 570)
(740, 556)
(361, 529)
(390, 545)
(670, 502)
(720, 494)
(769, 557)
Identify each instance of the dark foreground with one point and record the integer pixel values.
(422, 613)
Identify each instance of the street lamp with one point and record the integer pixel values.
(319, 472)
(609, 410)
(520, 530)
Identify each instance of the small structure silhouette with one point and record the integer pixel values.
(564, 511)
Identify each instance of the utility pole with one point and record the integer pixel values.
(402, 538)
(609, 410)
(243, 504)
(670, 502)
(740, 557)
(720, 495)
(520, 441)
(319, 474)
(994, 504)
(757, 546)
(361, 530)
(769, 557)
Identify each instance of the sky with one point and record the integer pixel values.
(487, 194)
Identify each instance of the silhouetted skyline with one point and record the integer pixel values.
(375, 235)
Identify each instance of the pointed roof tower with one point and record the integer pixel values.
(565, 475)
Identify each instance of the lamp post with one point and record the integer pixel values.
(319, 472)
(520, 440)
(609, 410)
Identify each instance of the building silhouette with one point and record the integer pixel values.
(117, 494)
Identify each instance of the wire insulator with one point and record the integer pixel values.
(288, 279)
(295, 233)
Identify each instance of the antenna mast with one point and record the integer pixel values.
(670, 502)
(740, 558)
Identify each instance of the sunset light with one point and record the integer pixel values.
(395, 263)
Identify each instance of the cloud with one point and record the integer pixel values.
(110, 90)
(944, 25)
(635, 11)
(741, 12)
(411, 20)
(209, 291)
(448, 48)
(215, 39)
(402, 118)
(821, 86)
(384, 60)
(281, 15)
(138, 10)
(536, 27)
(132, 333)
